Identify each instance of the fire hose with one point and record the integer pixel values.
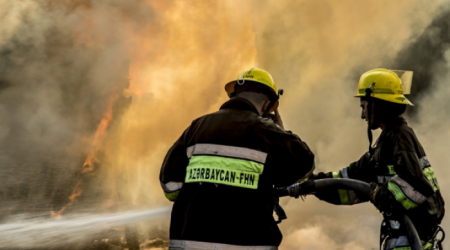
(364, 189)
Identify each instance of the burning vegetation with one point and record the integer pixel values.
(93, 93)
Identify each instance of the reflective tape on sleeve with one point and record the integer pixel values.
(171, 186)
(343, 194)
(405, 193)
(172, 196)
(424, 162)
(429, 173)
(344, 172)
(227, 151)
(337, 175)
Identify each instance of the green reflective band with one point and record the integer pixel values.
(400, 196)
(391, 169)
(223, 170)
(427, 245)
(337, 175)
(429, 173)
(343, 194)
(172, 196)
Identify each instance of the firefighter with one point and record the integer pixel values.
(222, 170)
(397, 168)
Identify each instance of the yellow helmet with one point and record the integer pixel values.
(385, 85)
(256, 75)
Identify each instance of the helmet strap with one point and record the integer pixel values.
(369, 99)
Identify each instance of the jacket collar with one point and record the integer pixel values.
(398, 121)
(239, 103)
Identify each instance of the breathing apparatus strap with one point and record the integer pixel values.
(369, 99)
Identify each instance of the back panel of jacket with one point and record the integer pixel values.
(234, 207)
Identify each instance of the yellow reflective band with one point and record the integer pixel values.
(429, 173)
(172, 196)
(222, 170)
(343, 194)
(337, 175)
(400, 196)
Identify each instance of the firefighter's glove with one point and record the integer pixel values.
(374, 195)
(320, 176)
(301, 189)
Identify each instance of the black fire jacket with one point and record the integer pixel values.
(407, 181)
(221, 173)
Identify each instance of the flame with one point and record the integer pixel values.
(91, 159)
(169, 84)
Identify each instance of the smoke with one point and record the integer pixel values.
(158, 65)
(317, 51)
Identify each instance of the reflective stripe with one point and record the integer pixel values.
(429, 173)
(197, 245)
(223, 170)
(337, 175)
(394, 224)
(343, 194)
(352, 198)
(171, 186)
(172, 196)
(344, 172)
(405, 193)
(424, 162)
(402, 243)
(227, 151)
(383, 178)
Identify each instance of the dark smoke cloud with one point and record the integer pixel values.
(61, 61)
(317, 53)
(426, 56)
(52, 94)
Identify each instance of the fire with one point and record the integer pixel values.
(91, 159)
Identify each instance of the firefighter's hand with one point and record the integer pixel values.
(373, 196)
(304, 188)
(276, 118)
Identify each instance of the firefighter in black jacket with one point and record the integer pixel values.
(222, 171)
(397, 167)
